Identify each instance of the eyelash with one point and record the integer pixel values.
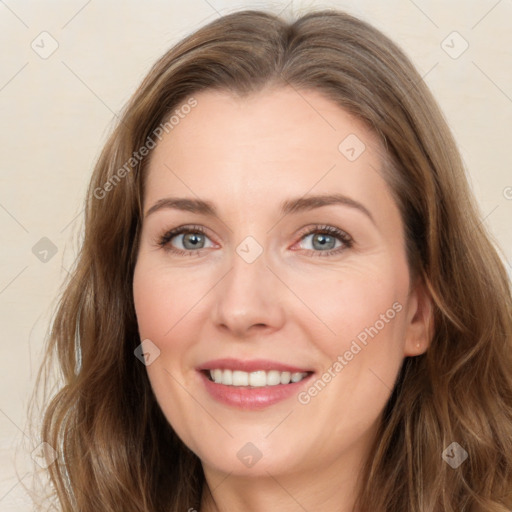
(344, 238)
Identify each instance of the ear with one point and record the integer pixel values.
(420, 321)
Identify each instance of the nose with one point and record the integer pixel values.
(249, 299)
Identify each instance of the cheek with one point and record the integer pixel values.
(363, 333)
(162, 303)
(163, 297)
(161, 306)
(356, 307)
(152, 304)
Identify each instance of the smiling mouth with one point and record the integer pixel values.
(257, 379)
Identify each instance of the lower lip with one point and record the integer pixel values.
(252, 398)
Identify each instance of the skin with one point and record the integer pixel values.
(293, 304)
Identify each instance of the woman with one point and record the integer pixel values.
(285, 298)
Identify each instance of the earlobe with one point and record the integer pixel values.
(421, 322)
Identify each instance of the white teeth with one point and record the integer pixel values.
(285, 377)
(227, 377)
(273, 378)
(256, 379)
(239, 378)
(217, 375)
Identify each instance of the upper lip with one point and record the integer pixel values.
(248, 366)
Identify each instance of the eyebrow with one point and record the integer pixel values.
(295, 205)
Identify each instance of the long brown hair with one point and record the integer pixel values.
(117, 450)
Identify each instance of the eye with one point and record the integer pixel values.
(325, 240)
(322, 240)
(185, 240)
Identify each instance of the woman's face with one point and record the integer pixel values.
(292, 265)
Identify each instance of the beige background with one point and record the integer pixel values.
(57, 109)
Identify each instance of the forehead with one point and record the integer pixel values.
(279, 117)
(275, 141)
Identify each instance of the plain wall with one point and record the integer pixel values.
(56, 111)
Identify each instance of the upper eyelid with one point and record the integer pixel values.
(339, 233)
(306, 230)
(183, 230)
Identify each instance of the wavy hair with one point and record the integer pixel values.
(116, 449)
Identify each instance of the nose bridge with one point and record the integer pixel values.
(249, 293)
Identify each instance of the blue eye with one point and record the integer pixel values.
(322, 241)
(190, 240)
(327, 240)
(186, 240)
